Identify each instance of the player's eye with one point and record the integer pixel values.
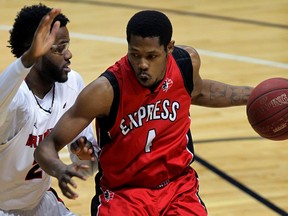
(60, 49)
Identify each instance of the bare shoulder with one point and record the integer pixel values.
(98, 95)
(192, 51)
(195, 58)
(101, 85)
(196, 63)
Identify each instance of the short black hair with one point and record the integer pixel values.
(150, 23)
(25, 25)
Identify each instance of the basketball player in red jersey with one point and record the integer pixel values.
(141, 105)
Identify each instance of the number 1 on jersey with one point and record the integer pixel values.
(150, 137)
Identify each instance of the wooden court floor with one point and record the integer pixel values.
(240, 42)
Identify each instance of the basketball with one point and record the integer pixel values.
(267, 109)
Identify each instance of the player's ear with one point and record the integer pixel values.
(170, 47)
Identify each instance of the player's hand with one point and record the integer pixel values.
(83, 148)
(44, 38)
(65, 180)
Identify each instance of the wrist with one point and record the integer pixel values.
(27, 60)
(58, 168)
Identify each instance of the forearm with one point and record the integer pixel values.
(217, 94)
(48, 158)
(10, 81)
(28, 59)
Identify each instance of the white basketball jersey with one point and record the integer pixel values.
(23, 124)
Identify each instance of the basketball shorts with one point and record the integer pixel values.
(50, 205)
(178, 197)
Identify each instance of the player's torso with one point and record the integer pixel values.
(150, 132)
(24, 182)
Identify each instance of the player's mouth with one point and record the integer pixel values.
(143, 76)
(66, 68)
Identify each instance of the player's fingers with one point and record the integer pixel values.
(69, 193)
(64, 183)
(81, 166)
(73, 170)
(83, 139)
(55, 29)
(85, 144)
(78, 174)
(51, 15)
(48, 19)
(65, 180)
(92, 155)
(88, 147)
(54, 12)
(75, 148)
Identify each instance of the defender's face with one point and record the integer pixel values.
(148, 59)
(54, 65)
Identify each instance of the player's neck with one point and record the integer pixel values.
(38, 86)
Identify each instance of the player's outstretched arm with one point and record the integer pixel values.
(218, 94)
(46, 154)
(211, 93)
(94, 101)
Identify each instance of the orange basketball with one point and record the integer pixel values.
(267, 109)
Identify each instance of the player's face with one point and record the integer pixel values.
(54, 66)
(148, 59)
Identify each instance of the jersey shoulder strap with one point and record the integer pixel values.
(183, 60)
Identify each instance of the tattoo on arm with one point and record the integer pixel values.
(239, 95)
(217, 91)
(229, 95)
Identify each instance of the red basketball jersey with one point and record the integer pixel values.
(146, 140)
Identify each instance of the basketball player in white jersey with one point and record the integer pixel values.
(35, 90)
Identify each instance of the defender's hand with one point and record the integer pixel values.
(83, 148)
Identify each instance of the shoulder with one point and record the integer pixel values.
(74, 75)
(196, 63)
(195, 58)
(75, 80)
(100, 95)
(102, 85)
(192, 51)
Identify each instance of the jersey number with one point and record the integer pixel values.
(150, 137)
(34, 172)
